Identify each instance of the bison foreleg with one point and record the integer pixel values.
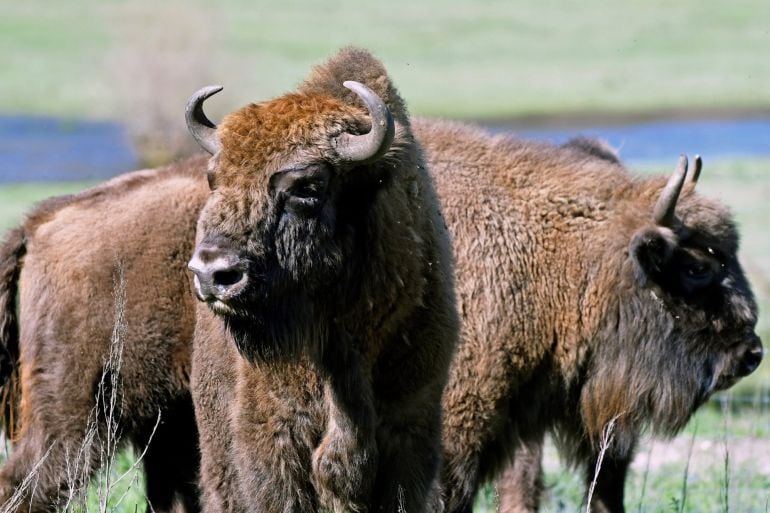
(409, 458)
(610, 482)
(344, 464)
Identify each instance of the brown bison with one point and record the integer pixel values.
(588, 297)
(70, 248)
(578, 305)
(327, 317)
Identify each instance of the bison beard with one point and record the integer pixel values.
(284, 312)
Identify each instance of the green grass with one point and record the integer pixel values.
(17, 198)
(464, 59)
(127, 489)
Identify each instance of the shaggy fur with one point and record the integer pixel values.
(319, 386)
(71, 248)
(563, 326)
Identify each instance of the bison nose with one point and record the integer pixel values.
(219, 273)
(752, 358)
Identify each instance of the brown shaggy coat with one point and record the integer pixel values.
(578, 310)
(562, 331)
(73, 250)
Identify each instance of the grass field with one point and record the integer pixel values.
(461, 59)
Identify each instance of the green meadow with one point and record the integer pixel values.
(491, 58)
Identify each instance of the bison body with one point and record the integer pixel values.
(75, 252)
(566, 324)
(590, 299)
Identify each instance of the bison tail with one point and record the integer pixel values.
(11, 252)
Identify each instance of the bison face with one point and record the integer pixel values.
(689, 266)
(258, 246)
(685, 321)
(276, 231)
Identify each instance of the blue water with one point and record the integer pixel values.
(662, 141)
(40, 149)
(44, 149)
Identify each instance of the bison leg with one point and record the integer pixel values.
(520, 485)
(610, 483)
(345, 462)
(48, 468)
(409, 456)
(171, 460)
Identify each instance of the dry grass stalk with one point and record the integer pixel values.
(686, 476)
(101, 442)
(604, 444)
(645, 477)
(725, 430)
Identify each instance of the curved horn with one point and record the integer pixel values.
(198, 124)
(367, 147)
(694, 173)
(663, 214)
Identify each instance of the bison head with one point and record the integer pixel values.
(685, 320)
(291, 180)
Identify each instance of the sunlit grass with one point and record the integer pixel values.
(469, 59)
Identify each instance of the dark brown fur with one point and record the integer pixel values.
(542, 240)
(319, 386)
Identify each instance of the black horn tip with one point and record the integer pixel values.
(694, 173)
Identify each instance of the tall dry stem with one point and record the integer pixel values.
(645, 477)
(604, 444)
(101, 442)
(686, 476)
(725, 429)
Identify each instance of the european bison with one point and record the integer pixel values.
(70, 248)
(327, 317)
(587, 297)
(550, 270)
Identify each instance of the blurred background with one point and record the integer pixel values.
(90, 89)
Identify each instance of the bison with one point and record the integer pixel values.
(327, 316)
(583, 296)
(588, 298)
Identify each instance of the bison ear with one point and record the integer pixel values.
(651, 249)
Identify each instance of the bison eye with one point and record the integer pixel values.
(306, 196)
(303, 189)
(698, 274)
(307, 190)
